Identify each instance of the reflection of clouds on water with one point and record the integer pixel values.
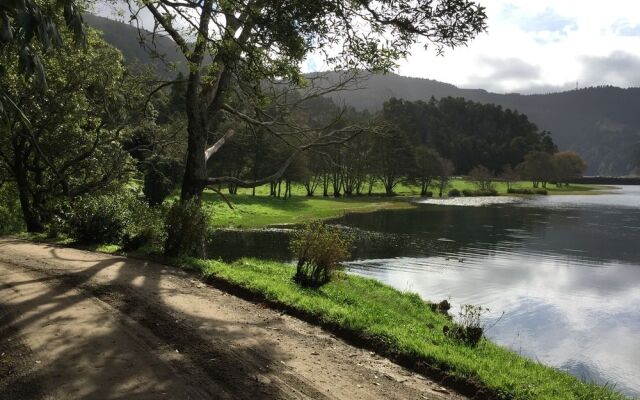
(556, 311)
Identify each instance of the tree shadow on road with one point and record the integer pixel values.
(127, 344)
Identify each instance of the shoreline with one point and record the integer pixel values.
(394, 324)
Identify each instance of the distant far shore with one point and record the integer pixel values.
(607, 180)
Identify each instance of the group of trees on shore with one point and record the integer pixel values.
(420, 143)
(92, 131)
(244, 115)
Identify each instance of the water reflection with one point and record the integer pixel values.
(566, 276)
(564, 270)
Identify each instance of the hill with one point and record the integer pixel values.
(128, 40)
(601, 123)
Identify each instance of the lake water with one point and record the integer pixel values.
(560, 274)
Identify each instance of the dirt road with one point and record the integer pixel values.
(82, 325)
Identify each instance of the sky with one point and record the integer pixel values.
(539, 46)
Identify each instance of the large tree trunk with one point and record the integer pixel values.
(195, 173)
(32, 217)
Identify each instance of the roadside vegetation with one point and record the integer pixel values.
(400, 325)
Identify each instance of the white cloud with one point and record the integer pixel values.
(565, 41)
(530, 47)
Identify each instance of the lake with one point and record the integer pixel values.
(560, 274)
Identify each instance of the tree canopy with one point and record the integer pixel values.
(72, 145)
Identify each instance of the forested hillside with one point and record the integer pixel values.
(602, 124)
(167, 60)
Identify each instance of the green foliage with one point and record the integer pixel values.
(468, 328)
(101, 218)
(72, 146)
(160, 179)
(320, 249)
(186, 226)
(10, 217)
(466, 132)
(402, 324)
(454, 193)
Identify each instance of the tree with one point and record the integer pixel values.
(238, 45)
(568, 165)
(538, 168)
(392, 157)
(443, 178)
(509, 175)
(481, 177)
(427, 167)
(27, 21)
(72, 144)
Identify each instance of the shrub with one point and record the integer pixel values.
(541, 191)
(428, 194)
(187, 226)
(146, 228)
(101, 218)
(454, 193)
(115, 218)
(482, 178)
(320, 249)
(468, 329)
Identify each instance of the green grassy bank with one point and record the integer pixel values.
(262, 210)
(402, 326)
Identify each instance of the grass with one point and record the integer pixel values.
(403, 326)
(262, 210)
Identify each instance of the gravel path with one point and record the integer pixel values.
(82, 325)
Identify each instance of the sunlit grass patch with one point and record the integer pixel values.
(402, 325)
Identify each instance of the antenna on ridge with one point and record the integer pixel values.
(576, 85)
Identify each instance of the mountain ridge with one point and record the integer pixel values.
(600, 123)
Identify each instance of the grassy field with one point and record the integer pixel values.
(402, 325)
(262, 210)
(259, 211)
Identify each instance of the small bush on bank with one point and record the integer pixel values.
(476, 193)
(454, 193)
(117, 218)
(542, 192)
(320, 249)
(427, 194)
(100, 219)
(187, 226)
(468, 329)
(147, 228)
